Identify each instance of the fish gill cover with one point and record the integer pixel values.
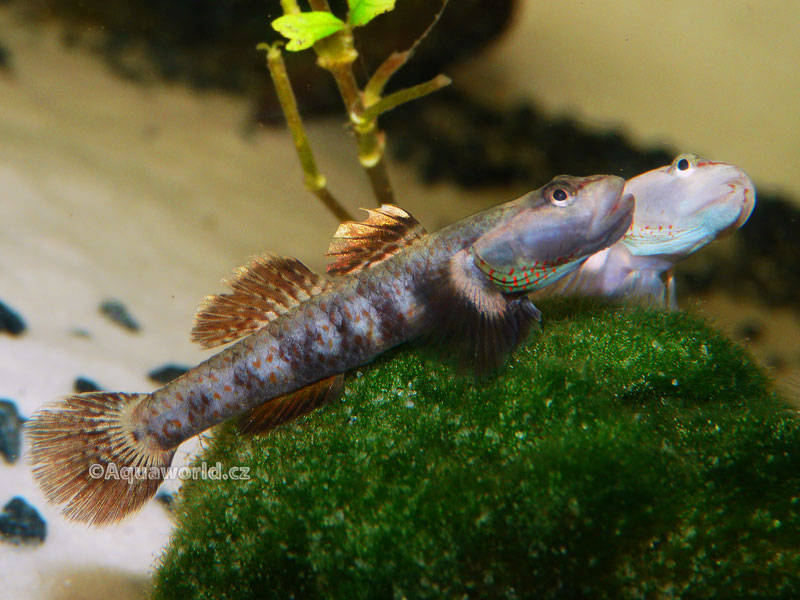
(621, 454)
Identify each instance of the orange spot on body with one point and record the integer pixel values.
(257, 363)
(217, 396)
(273, 378)
(228, 388)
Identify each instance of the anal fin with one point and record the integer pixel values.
(276, 411)
(358, 245)
(264, 289)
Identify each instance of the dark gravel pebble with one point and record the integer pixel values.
(10, 430)
(84, 384)
(166, 498)
(10, 321)
(5, 57)
(116, 311)
(21, 523)
(167, 373)
(776, 362)
(751, 330)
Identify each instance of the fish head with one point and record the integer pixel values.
(687, 204)
(547, 233)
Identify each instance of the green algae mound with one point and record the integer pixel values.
(620, 454)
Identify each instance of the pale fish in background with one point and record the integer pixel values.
(679, 209)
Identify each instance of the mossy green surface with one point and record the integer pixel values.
(620, 454)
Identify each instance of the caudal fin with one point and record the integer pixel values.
(88, 456)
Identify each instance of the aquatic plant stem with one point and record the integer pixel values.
(336, 54)
(313, 179)
(394, 100)
(290, 7)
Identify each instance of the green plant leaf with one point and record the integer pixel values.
(363, 11)
(303, 29)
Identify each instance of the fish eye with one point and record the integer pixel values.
(684, 164)
(560, 197)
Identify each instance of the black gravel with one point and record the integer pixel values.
(84, 384)
(166, 499)
(5, 57)
(10, 321)
(167, 373)
(118, 313)
(21, 523)
(10, 430)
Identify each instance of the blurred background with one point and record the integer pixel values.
(142, 158)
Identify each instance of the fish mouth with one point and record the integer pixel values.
(743, 191)
(614, 223)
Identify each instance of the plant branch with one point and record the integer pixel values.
(379, 79)
(336, 54)
(313, 179)
(290, 7)
(402, 96)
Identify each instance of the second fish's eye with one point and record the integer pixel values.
(684, 164)
(559, 195)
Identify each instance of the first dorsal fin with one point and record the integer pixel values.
(264, 289)
(277, 411)
(385, 231)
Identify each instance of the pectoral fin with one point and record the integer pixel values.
(357, 245)
(645, 288)
(472, 321)
(277, 411)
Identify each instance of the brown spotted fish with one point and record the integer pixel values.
(297, 332)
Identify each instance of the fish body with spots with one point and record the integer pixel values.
(293, 333)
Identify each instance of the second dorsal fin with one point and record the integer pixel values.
(264, 289)
(385, 231)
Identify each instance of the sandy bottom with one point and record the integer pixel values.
(149, 195)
